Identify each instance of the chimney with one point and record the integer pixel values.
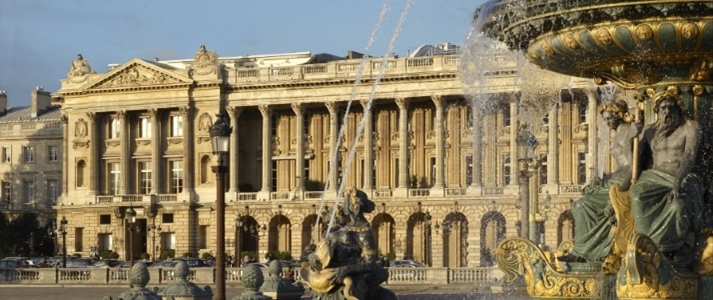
(3, 102)
(41, 101)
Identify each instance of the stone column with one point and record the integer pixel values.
(477, 172)
(514, 130)
(93, 165)
(65, 156)
(592, 150)
(404, 175)
(155, 151)
(234, 159)
(368, 147)
(553, 149)
(300, 153)
(266, 112)
(188, 145)
(437, 189)
(333, 139)
(125, 151)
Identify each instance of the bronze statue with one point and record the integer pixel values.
(343, 265)
(667, 199)
(593, 213)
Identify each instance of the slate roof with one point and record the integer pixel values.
(22, 114)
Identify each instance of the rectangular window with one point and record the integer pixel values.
(52, 191)
(581, 168)
(176, 125)
(543, 168)
(373, 172)
(433, 170)
(167, 218)
(29, 153)
(506, 115)
(28, 189)
(78, 240)
(306, 171)
(6, 154)
(469, 117)
(145, 127)
(506, 168)
(104, 219)
(106, 242)
(168, 240)
(176, 176)
(468, 170)
(273, 125)
(115, 129)
(305, 123)
(273, 177)
(145, 177)
(396, 172)
(6, 191)
(114, 178)
(361, 172)
(203, 237)
(53, 153)
(583, 107)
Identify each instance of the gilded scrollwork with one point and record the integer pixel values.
(541, 279)
(646, 274)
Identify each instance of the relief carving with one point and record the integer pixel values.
(204, 122)
(205, 62)
(136, 75)
(80, 128)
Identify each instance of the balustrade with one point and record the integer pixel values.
(383, 193)
(493, 191)
(280, 195)
(450, 192)
(419, 192)
(313, 195)
(247, 196)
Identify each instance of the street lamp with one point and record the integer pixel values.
(220, 140)
(526, 143)
(238, 238)
(427, 222)
(154, 230)
(131, 219)
(63, 231)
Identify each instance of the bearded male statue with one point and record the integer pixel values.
(667, 199)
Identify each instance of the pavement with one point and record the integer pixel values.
(74, 292)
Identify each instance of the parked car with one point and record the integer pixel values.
(106, 263)
(164, 264)
(16, 263)
(80, 263)
(194, 262)
(405, 263)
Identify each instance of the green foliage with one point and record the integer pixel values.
(250, 254)
(284, 255)
(166, 254)
(145, 255)
(77, 255)
(414, 181)
(23, 236)
(188, 254)
(104, 254)
(313, 185)
(391, 256)
(207, 255)
(114, 255)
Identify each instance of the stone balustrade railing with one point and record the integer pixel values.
(346, 69)
(232, 275)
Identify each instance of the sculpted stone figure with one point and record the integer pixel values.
(343, 266)
(79, 67)
(593, 213)
(666, 201)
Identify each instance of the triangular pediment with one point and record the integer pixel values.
(137, 73)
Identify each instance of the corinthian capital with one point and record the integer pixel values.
(297, 108)
(264, 109)
(234, 111)
(402, 103)
(437, 100)
(331, 107)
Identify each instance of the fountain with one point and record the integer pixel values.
(663, 52)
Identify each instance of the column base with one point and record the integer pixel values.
(437, 191)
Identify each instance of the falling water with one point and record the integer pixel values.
(360, 71)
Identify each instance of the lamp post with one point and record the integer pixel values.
(154, 229)
(238, 239)
(63, 231)
(220, 140)
(427, 222)
(52, 236)
(131, 219)
(526, 144)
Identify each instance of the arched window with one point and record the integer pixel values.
(565, 227)
(205, 169)
(81, 168)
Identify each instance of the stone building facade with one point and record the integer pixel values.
(30, 156)
(137, 136)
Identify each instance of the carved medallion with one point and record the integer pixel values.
(80, 128)
(644, 32)
(204, 122)
(546, 47)
(603, 36)
(569, 41)
(689, 30)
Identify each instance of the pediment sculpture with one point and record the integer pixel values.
(79, 69)
(205, 62)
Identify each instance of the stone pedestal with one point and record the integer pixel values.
(182, 289)
(252, 279)
(279, 288)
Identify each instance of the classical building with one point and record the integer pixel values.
(31, 156)
(137, 136)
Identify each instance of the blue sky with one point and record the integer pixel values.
(38, 39)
